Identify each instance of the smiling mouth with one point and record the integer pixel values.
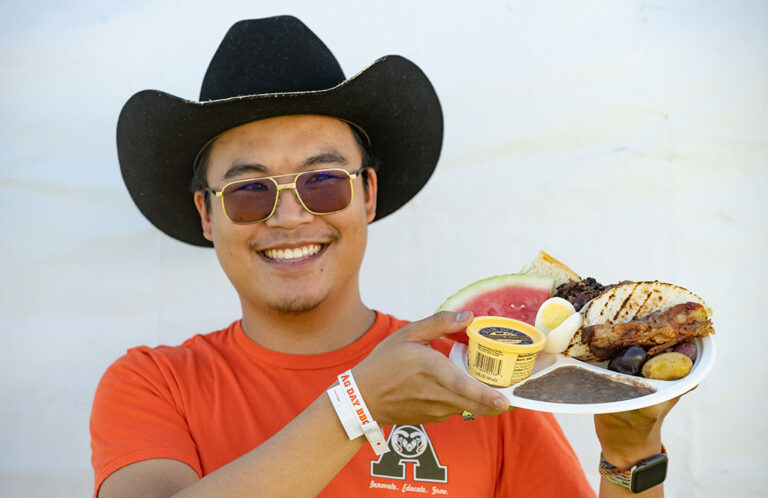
(293, 254)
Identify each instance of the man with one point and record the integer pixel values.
(285, 182)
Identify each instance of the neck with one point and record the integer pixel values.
(323, 329)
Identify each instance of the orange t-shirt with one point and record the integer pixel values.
(219, 395)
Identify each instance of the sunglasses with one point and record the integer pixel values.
(323, 191)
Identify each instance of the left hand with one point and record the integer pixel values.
(627, 437)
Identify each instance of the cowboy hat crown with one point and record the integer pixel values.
(274, 55)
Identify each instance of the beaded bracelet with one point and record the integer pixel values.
(616, 475)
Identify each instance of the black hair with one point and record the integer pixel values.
(368, 159)
(200, 174)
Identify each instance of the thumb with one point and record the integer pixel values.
(437, 325)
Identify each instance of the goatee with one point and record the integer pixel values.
(296, 306)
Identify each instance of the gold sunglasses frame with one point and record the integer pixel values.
(287, 186)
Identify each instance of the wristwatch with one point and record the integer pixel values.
(645, 474)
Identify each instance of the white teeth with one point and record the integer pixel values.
(296, 253)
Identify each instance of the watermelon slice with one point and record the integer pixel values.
(516, 295)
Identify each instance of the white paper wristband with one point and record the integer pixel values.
(344, 411)
(369, 427)
(375, 436)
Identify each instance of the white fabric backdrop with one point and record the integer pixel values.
(627, 138)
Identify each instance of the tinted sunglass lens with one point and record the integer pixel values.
(324, 191)
(247, 202)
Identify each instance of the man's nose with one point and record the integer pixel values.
(289, 211)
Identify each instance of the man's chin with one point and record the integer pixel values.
(298, 306)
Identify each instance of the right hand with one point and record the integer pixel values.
(405, 381)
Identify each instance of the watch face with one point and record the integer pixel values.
(649, 473)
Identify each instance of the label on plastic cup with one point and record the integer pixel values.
(503, 334)
(501, 351)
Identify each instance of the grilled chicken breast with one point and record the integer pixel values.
(656, 331)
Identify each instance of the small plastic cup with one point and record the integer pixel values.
(501, 351)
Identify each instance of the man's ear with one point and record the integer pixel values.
(370, 194)
(205, 217)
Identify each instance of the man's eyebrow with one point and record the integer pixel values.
(239, 169)
(243, 168)
(324, 158)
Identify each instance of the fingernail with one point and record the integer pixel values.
(462, 316)
(500, 404)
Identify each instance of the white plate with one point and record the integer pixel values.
(545, 362)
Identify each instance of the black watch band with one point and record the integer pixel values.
(645, 474)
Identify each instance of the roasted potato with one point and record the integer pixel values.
(667, 366)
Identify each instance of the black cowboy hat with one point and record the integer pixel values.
(275, 67)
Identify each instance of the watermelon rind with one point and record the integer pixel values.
(473, 290)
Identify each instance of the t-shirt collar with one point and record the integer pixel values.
(353, 352)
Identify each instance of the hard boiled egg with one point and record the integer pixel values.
(560, 337)
(559, 320)
(552, 313)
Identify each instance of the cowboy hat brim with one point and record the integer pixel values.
(159, 136)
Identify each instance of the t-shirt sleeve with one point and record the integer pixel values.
(136, 416)
(537, 459)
